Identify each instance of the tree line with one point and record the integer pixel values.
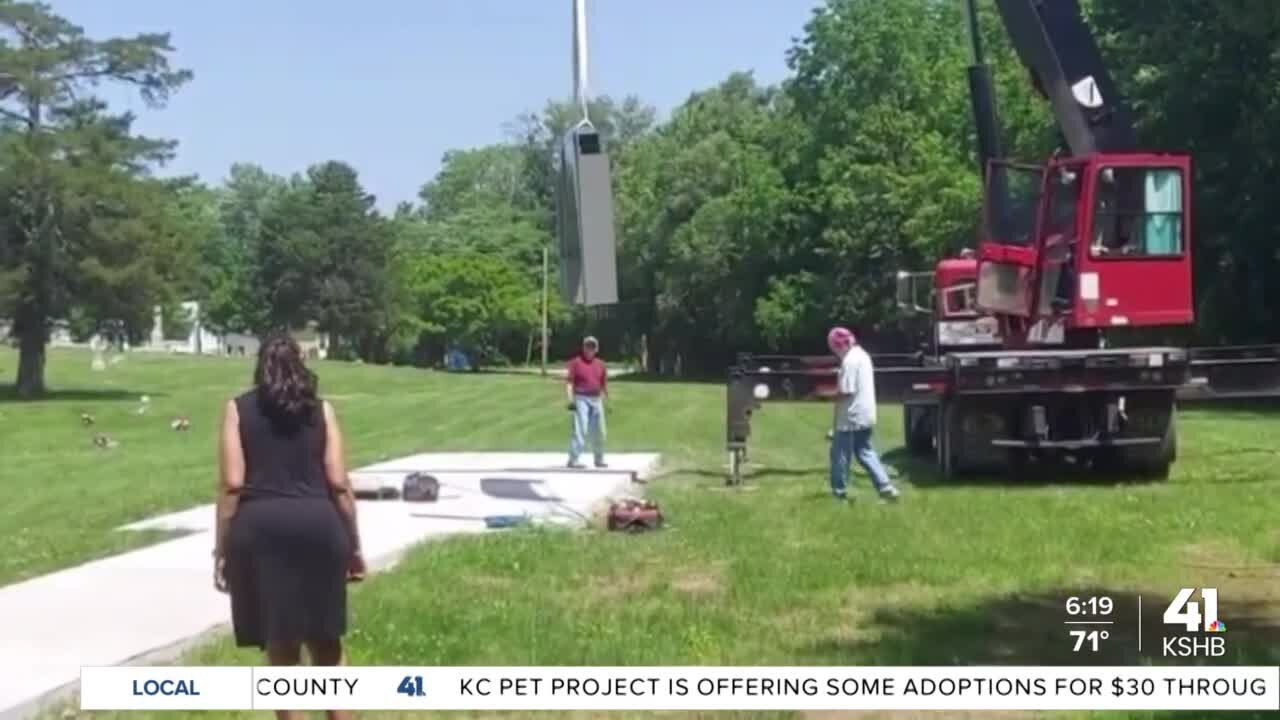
(751, 218)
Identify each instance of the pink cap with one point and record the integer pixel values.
(839, 338)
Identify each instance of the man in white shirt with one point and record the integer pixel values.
(855, 417)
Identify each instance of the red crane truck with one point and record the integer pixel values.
(1037, 351)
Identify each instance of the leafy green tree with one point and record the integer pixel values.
(324, 257)
(84, 228)
(194, 208)
(702, 207)
(288, 258)
(234, 298)
(786, 310)
(890, 176)
(488, 176)
(473, 301)
(481, 201)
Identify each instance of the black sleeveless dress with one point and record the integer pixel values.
(287, 548)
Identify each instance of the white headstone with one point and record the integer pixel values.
(157, 327)
(97, 343)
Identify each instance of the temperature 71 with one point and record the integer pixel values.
(1089, 636)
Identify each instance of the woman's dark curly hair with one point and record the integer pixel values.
(287, 390)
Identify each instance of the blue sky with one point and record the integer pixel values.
(390, 85)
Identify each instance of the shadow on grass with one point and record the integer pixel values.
(1263, 405)
(922, 472)
(514, 372)
(557, 375)
(9, 394)
(1030, 630)
(656, 379)
(763, 473)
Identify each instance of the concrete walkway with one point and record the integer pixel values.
(151, 604)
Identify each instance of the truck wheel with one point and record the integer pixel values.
(971, 425)
(1159, 466)
(945, 435)
(908, 425)
(1153, 462)
(1017, 463)
(927, 430)
(917, 430)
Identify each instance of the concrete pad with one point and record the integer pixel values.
(143, 605)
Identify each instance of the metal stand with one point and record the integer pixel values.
(737, 458)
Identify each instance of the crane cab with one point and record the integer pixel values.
(948, 297)
(1087, 244)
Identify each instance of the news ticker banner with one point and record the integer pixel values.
(680, 688)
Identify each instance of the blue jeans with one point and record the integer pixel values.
(848, 444)
(588, 417)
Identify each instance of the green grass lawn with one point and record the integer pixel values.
(974, 572)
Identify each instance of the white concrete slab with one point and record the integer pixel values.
(131, 607)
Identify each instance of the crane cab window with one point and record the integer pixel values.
(1013, 196)
(1137, 213)
(960, 299)
(1064, 201)
(1060, 246)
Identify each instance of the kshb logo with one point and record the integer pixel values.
(1185, 612)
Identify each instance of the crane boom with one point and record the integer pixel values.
(982, 96)
(1053, 41)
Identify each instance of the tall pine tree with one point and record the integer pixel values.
(83, 229)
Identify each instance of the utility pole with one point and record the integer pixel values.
(545, 271)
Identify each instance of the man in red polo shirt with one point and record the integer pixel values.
(586, 387)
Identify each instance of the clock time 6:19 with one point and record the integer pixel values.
(1090, 606)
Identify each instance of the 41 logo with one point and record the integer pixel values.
(1185, 612)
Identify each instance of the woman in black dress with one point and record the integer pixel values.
(287, 542)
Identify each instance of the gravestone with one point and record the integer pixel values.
(157, 328)
(98, 345)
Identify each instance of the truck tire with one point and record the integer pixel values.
(1153, 462)
(945, 453)
(917, 429)
(908, 426)
(970, 425)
